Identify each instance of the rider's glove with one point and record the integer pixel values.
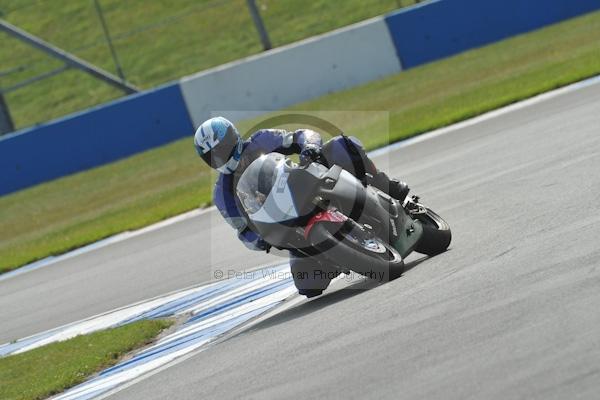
(310, 152)
(252, 241)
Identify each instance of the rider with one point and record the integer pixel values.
(220, 145)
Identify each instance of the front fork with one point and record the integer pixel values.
(405, 232)
(409, 234)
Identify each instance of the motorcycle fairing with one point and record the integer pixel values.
(324, 216)
(278, 206)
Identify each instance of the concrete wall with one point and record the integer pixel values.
(92, 138)
(441, 28)
(281, 77)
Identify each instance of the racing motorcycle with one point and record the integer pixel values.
(330, 215)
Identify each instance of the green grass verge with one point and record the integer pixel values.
(156, 41)
(57, 216)
(51, 369)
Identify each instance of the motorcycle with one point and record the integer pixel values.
(339, 220)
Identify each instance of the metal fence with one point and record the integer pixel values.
(145, 43)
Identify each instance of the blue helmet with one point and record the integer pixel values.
(219, 144)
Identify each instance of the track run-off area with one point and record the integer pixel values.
(510, 311)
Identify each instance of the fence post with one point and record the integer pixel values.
(6, 124)
(68, 58)
(258, 23)
(108, 39)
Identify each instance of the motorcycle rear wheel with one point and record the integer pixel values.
(357, 251)
(436, 236)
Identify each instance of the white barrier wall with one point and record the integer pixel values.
(298, 72)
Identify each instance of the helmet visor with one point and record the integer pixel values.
(222, 152)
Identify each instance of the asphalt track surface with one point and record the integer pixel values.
(510, 311)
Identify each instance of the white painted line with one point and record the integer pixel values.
(292, 296)
(487, 116)
(105, 242)
(92, 324)
(229, 314)
(192, 301)
(375, 153)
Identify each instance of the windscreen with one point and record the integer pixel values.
(257, 181)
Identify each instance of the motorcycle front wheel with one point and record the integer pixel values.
(356, 250)
(436, 233)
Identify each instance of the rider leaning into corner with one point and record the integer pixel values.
(219, 144)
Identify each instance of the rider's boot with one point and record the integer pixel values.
(393, 187)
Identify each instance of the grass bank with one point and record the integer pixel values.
(51, 369)
(156, 41)
(58, 216)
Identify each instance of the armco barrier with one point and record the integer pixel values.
(291, 74)
(94, 137)
(440, 28)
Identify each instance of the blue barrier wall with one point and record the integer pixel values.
(94, 137)
(441, 28)
(420, 34)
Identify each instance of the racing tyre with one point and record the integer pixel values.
(436, 233)
(356, 250)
